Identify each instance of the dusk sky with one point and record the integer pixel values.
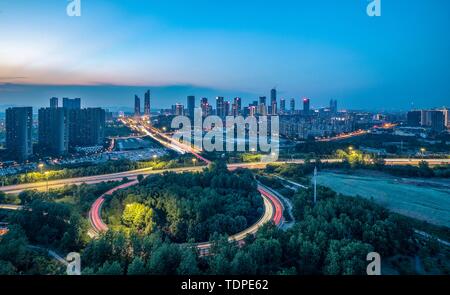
(320, 49)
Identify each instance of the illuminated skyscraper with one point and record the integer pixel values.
(306, 106)
(137, 106)
(147, 103)
(220, 107)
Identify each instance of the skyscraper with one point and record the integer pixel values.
(205, 107)
(191, 105)
(237, 107)
(262, 107)
(273, 101)
(72, 104)
(54, 102)
(227, 108)
(306, 106)
(147, 103)
(86, 127)
(53, 130)
(282, 106)
(292, 105)
(179, 109)
(333, 106)
(19, 124)
(137, 106)
(414, 118)
(220, 107)
(437, 121)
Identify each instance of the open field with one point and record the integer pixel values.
(427, 200)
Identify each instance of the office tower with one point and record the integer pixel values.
(273, 102)
(227, 108)
(282, 106)
(306, 106)
(414, 118)
(205, 107)
(333, 106)
(437, 121)
(179, 110)
(446, 117)
(253, 110)
(54, 102)
(292, 105)
(19, 124)
(53, 131)
(147, 103)
(262, 107)
(191, 105)
(220, 106)
(86, 127)
(137, 106)
(237, 107)
(72, 104)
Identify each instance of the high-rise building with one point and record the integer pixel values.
(292, 105)
(206, 107)
(227, 108)
(306, 106)
(54, 102)
(19, 124)
(191, 105)
(147, 103)
(137, 106)
(86, 127)
(220, 107)
(53, 131)
(237, 107)
(333, 106)
(179, 109)
(72, 104)
(273, 102)
(282, 106)
(262, 107)
(437, 121)
(414, 118)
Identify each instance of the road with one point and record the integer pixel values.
(53, 184)
(273, 211)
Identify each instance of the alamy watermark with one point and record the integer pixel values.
(374, 267)
(374, 8)
(73, 264)
(236, 135)
(73, 8)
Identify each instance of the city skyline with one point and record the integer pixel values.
(241, 49)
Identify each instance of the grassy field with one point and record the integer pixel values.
(420, 199)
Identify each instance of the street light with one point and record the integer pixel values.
(423, 150)
(194, 160)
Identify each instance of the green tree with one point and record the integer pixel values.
(138, 217)
(137, 267)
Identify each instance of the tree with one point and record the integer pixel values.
(188, 264)
(138, 217)
(137, 267)
(110, 269)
